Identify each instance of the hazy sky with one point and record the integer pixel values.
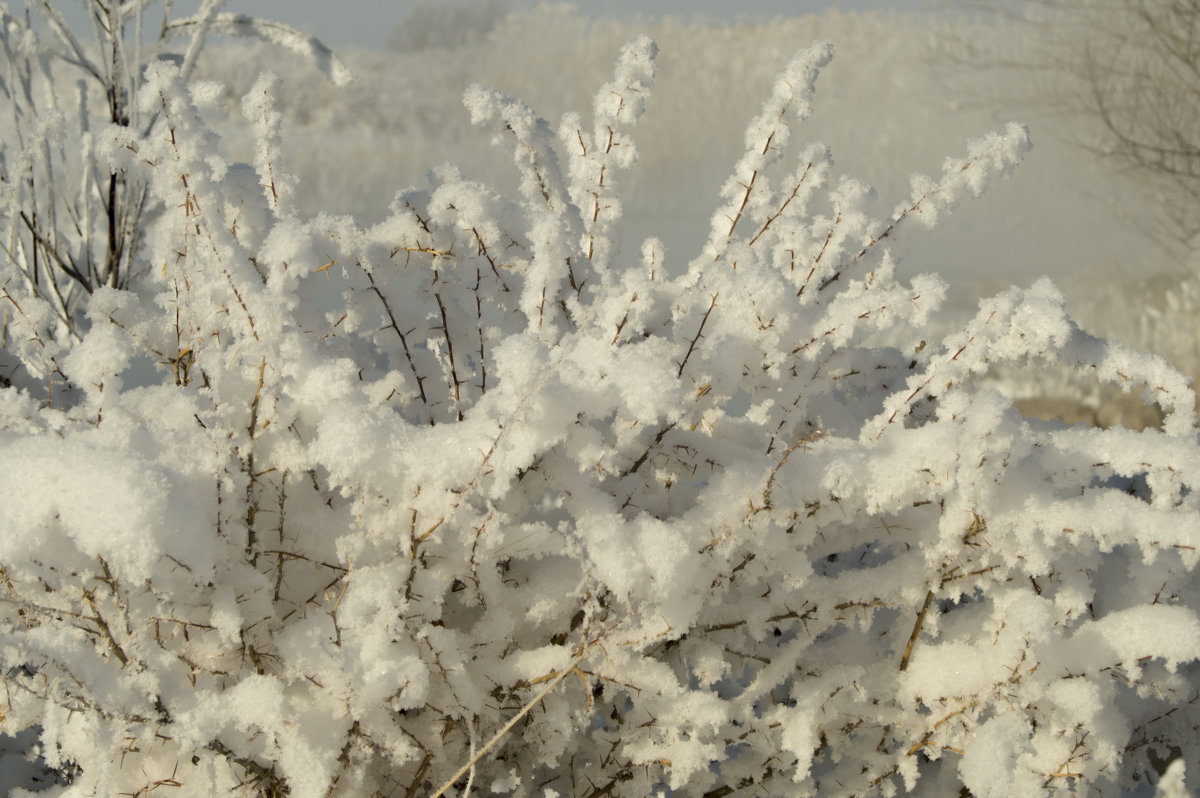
(369, 22)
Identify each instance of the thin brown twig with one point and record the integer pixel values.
(916, 632)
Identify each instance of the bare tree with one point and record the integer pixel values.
(1131, 68)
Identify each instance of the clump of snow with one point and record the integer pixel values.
(1172, 783)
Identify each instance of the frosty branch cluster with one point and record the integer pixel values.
(480, 499)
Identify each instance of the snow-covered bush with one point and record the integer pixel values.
(478, 499)
(70, 224)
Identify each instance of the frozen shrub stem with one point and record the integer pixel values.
(518, 511)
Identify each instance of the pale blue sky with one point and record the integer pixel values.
(369, 22)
